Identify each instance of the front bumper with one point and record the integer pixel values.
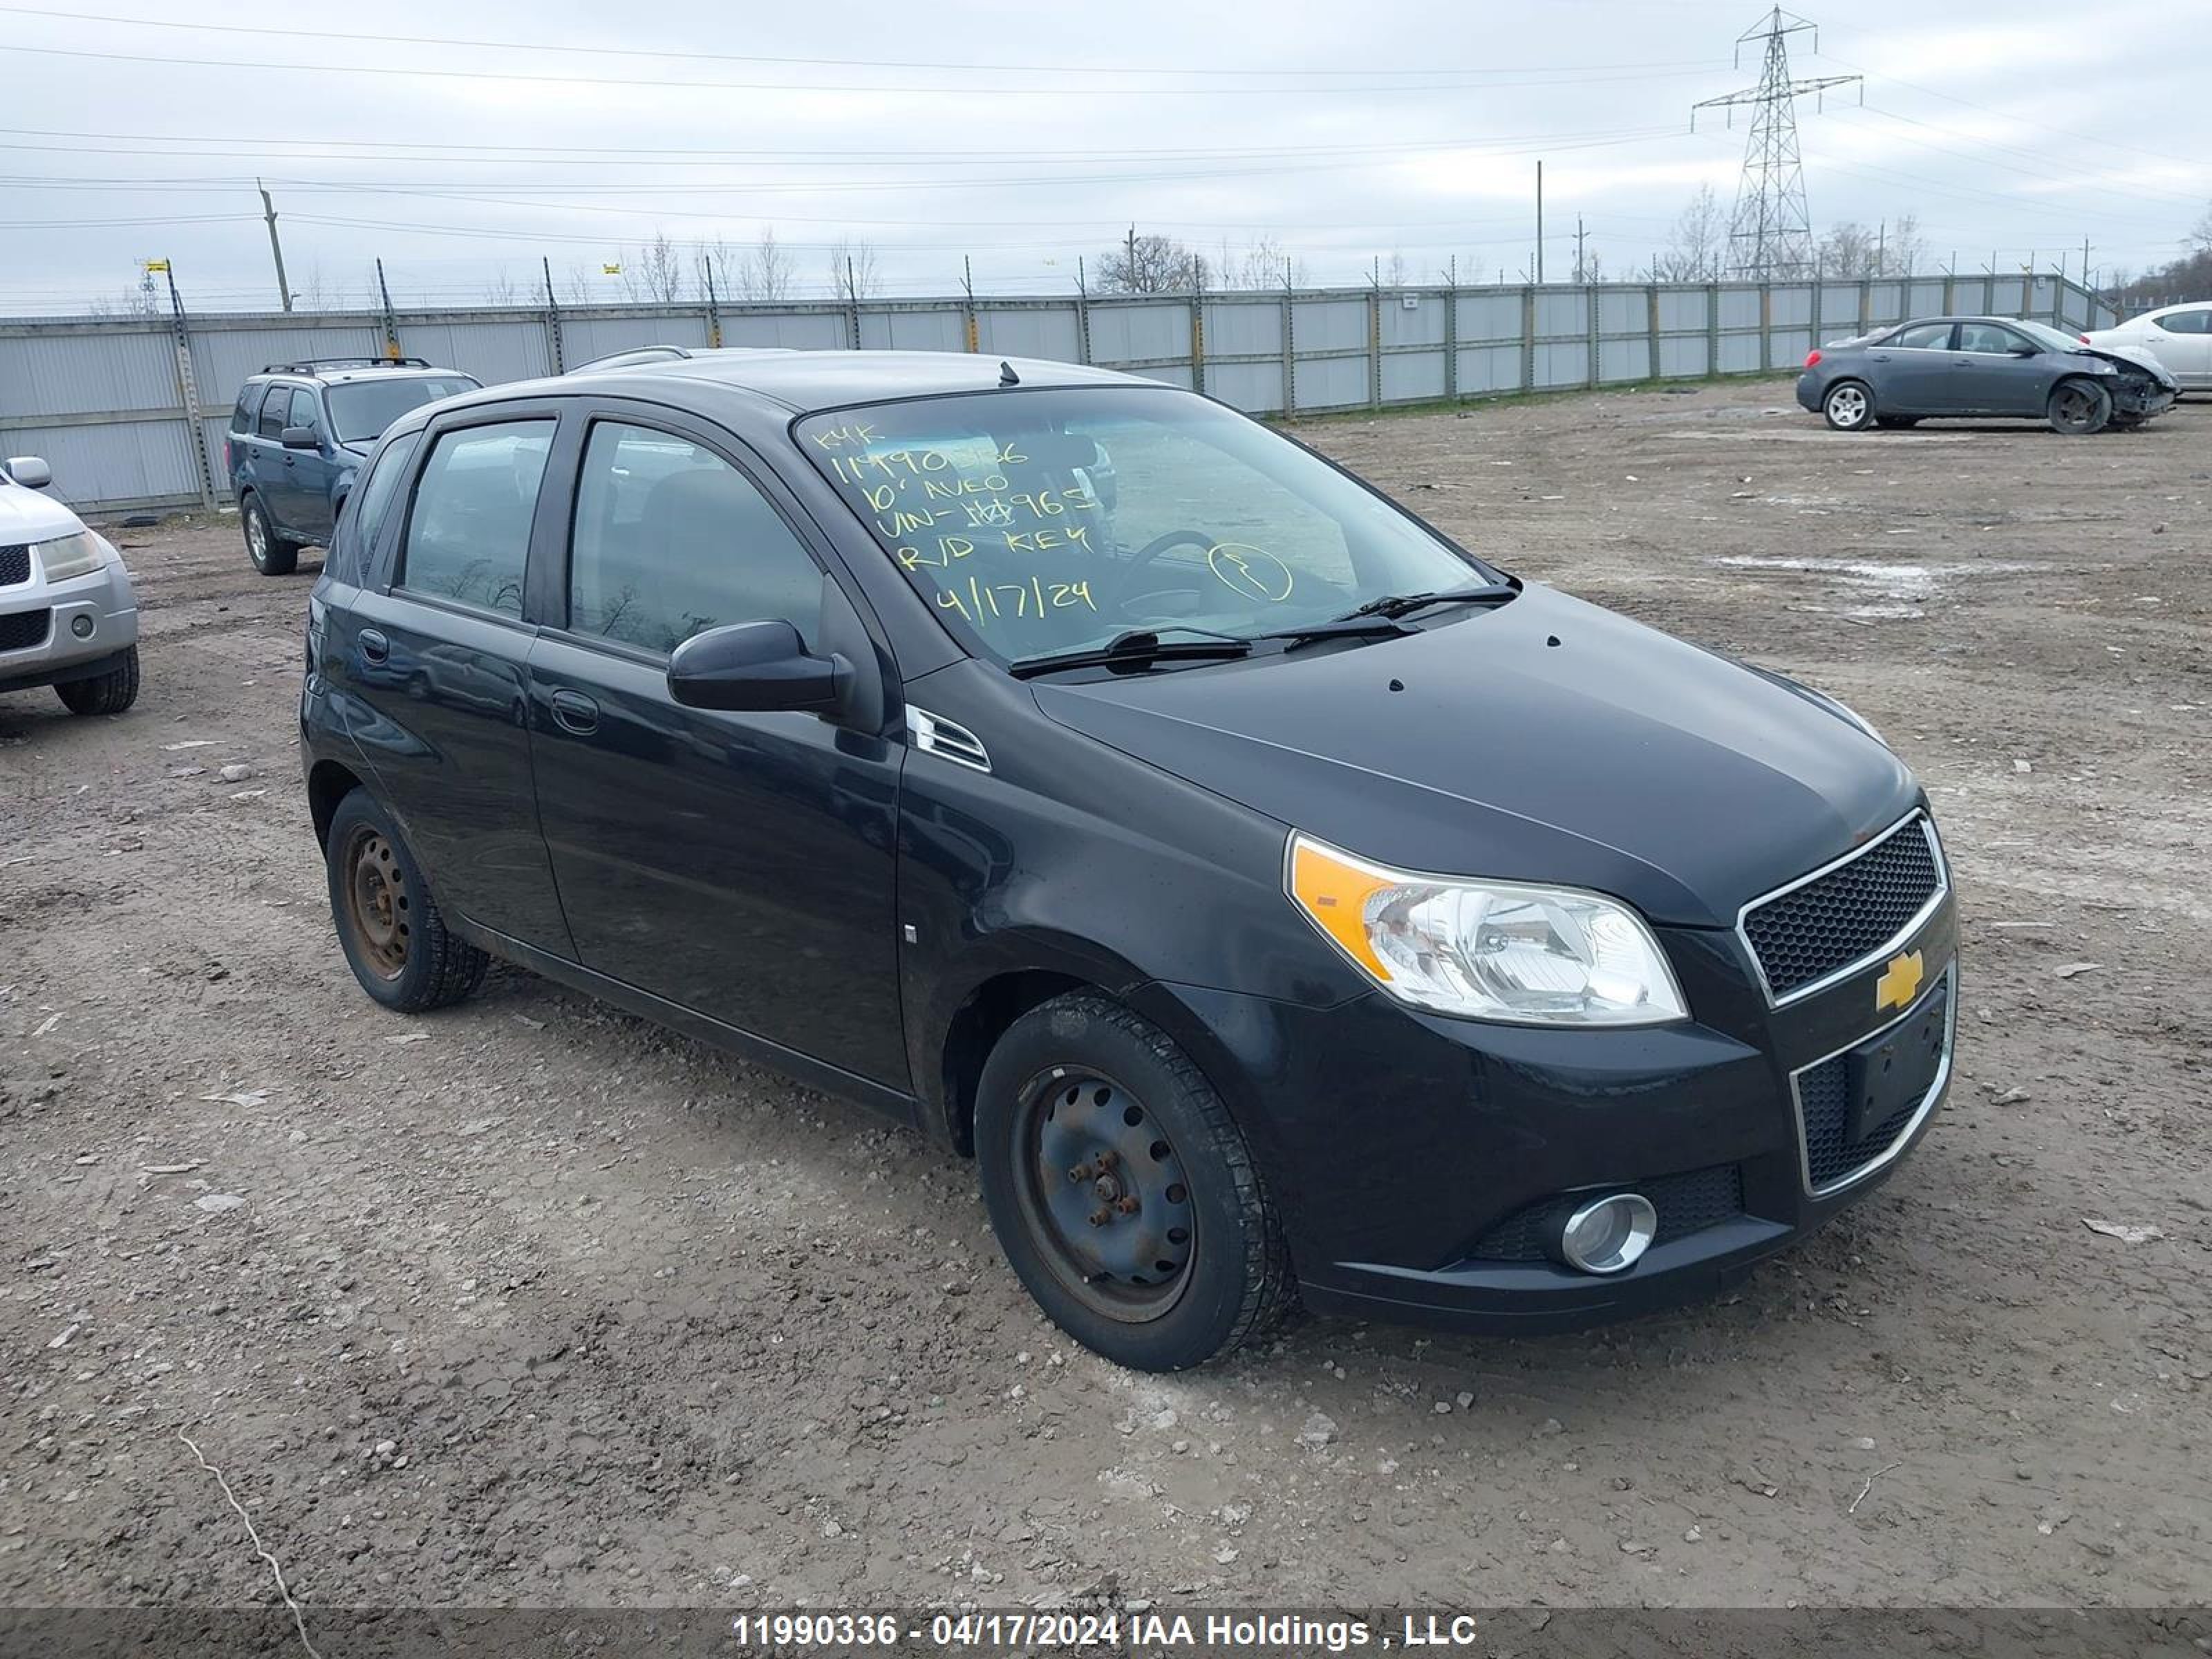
(1411, 1155)
(40, 641)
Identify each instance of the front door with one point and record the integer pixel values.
(433, 666)
(2182, 340)
(303, 476)
(737, 865)
(2001, 371)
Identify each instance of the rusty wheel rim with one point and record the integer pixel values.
(376, 903)
(1105, 1195)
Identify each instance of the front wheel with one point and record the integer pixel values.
(2079, 408)
(1847, 407)
(272, 555)
(106, 694)
(1121, 1192)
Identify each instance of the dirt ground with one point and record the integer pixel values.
(529, 1301)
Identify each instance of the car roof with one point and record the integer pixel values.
(805, 381)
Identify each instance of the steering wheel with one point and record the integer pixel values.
(1127, 591)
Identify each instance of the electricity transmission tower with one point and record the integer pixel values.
(1771, 233)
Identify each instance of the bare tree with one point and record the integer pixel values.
(1698, 245)
(852, 270)
(1263, 264)
(1394, 269)
(500, 290)
(654, 274)
(1851, 251)
(317, 292)
(576, 285)
(1151, 264)
(768, 274)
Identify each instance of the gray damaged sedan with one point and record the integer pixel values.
(1983, 365)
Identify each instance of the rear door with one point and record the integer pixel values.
(260, 449)
(737, 865)
(433, 653)
(1912, 371)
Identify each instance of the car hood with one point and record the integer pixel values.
(1546, 740)
(26, 515)
(2130, 357)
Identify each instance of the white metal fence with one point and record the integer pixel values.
(130, 412)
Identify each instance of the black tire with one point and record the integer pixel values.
(394, 938)
(1896, 422)
(2078, 408)
(1848, 406)
(107, 694)
(272, 555)
(1210, 1273)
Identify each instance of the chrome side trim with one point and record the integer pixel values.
(1890, 1153)
(1889, 947)
(949, 741)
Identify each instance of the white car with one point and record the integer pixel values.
(68, 618)
(2179, 337)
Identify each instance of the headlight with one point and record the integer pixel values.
(1487, 949)
(72, 556)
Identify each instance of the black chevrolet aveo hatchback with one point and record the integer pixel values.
(1279, 903)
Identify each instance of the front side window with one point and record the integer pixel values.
(468, 536)
(1988, 338)
(275, 412)
(1039, 522)
(304, 413)
(1925, 336)
(670, 539)
(360, 409)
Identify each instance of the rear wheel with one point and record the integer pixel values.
(107, 694)
(272, 555)
(2078, 408)
(1121, 1192)
(1848, 406)
(394, 937)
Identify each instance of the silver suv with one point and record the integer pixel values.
(68, 617)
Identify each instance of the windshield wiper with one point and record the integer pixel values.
(1140, 647)
(1394, 605)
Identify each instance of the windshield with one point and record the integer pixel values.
(2049, 338)
(1043, 522)
(360, 409)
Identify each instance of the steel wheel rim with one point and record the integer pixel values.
(2073, 406)
(1848, 405)
(256, 536)
(375, 907)
(1134, 1265)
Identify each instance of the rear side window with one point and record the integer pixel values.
(1929, 336)
(669, 539)
(249, 401)
(468, 537)
(371, 505)
(2186, 322)
(274, 411)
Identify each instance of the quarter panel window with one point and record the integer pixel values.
(249, 400)
(371, 503)
(468, 536)
(1929, 336)
(670, 539)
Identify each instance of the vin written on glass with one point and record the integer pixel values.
(1003, 536)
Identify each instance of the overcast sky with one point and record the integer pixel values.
(461, 143)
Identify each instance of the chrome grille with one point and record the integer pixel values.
(1848, 914)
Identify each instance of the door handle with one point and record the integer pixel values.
(1880, 356)
(574, 712)
(374, 645)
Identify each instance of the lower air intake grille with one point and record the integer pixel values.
(24, 628)
(15, 564)
(1686, 1204)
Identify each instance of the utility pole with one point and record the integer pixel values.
(552, 317)
(1880, 246)
(391, 323)
(1129, 270)
(276, 247)
(1771, 232)
(1540, 222)
(1582, 264)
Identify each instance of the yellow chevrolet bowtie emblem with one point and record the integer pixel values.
(1899, 981)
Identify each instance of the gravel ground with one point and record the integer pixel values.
(529, 1301)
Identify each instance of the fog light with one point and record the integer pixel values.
(1608, 1235)
(80, 625)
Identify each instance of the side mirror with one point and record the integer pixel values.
(2026, 350)
(302, 437)
(30, 471)
(756, 667)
